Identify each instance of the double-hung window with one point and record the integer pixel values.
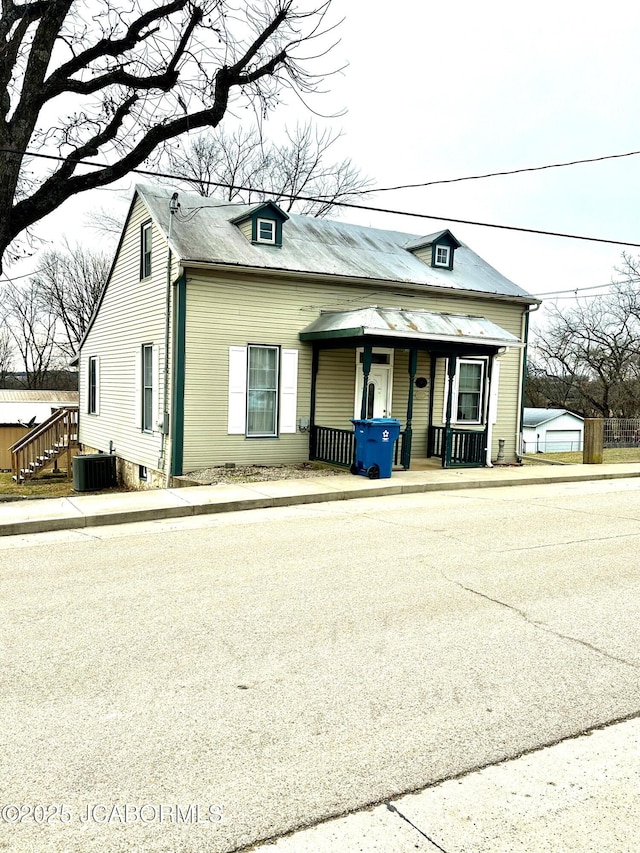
(265, 231)
(147, 388)
(468, 392)
(262, 390)
(442, 256)
(469, 388)
(145, 250)
(92, 385)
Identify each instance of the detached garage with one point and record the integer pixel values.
(551, 431)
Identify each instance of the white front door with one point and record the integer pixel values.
(378, 390)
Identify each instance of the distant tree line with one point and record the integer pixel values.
(44, 319)
(587, 358)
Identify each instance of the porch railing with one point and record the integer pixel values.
(334, 446)
(337, 447)
(467, 447)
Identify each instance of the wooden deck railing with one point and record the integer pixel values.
(45, 443)
(467, 447)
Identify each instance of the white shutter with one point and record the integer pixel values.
(493, 392)
(237, 390)
(288, 390)
(137, 389)
(155, 385)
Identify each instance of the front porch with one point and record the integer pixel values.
(466, 448)
(459, 355)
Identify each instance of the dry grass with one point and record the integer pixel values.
(59, 487)
(49, 487)
(612, 455)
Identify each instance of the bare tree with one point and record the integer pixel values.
(32, 328)
(123, 78)
(69, 282)
(241, 166)
(588, 358)
(6, 356)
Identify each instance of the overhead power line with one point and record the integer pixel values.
(6, 280)
(578, 289)
(345, 204)
(500, 174)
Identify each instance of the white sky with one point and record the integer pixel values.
(445, 90)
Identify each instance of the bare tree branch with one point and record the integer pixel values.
(139, 77)
(243, 167)
(69, 282)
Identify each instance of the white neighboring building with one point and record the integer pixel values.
(551, 431)
(28, 407)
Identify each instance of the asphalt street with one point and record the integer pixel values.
(279, 667)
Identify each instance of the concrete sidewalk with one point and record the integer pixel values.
(38, 516)
(577, 796)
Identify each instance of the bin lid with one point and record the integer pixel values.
(358, 421)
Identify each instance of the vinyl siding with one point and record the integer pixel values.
(225, 310)
(335, 394)
(132, 313)
(425, 254)
(246, 227)
(420, 420)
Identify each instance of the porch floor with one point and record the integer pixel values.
(422, 464)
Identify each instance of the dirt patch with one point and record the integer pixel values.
(258, 473)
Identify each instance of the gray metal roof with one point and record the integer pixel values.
(202, 232)
(26, 395)
(534, 417)
(412, 325)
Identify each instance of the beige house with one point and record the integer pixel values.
(239, 334)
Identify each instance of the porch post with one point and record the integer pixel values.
(366, 370)
(408, 432)
(315, 361)
(451, 372)
(488, 427)
(432, 382)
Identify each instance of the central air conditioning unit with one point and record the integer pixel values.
(94, 472)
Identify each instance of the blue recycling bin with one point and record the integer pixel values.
(375, 440)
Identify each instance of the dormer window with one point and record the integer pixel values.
(265, 231)
(262, 225)
(442, 256)
(437, 250)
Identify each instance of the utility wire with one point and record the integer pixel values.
(576, 289)
(499, 174)
(7, 280)
(350, 205)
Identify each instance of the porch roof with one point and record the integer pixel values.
(412, 326)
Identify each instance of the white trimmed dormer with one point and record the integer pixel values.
(437, 250)
(262, 225)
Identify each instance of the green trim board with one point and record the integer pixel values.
(179, 340)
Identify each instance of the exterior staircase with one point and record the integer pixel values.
(45, 444)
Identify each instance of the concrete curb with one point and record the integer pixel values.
(25, 517)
